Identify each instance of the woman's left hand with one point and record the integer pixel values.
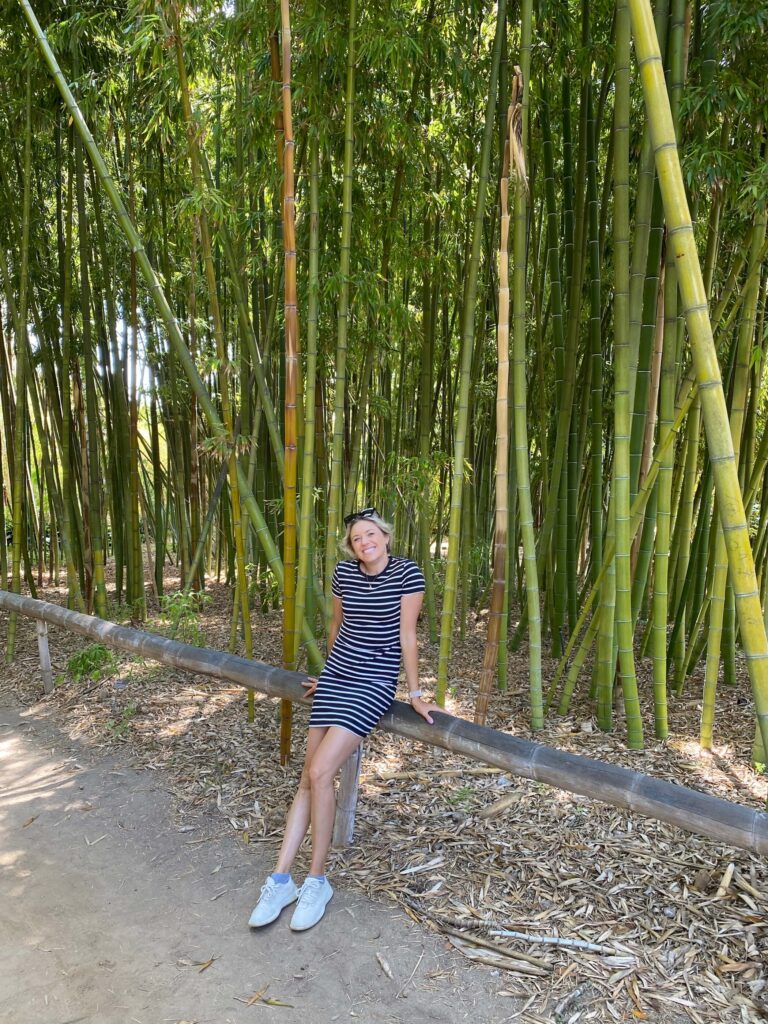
(310, 685)
(425, 709)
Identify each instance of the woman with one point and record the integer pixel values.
(376, 601)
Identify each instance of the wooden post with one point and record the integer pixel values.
(45, 657)
(346, 800)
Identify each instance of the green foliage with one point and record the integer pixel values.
(120, 725)
(182, 610)
(421, 85)
(461, 797)
(264, 587)
(92, 663)
(120, 612)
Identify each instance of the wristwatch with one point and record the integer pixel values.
(412, 695)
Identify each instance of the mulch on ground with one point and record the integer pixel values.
(613, 916)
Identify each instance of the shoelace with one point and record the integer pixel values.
(310, 892)
(269, 888)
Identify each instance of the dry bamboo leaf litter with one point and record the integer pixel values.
(467, 849)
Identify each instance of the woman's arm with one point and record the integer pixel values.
(336, 618)
(410, 606)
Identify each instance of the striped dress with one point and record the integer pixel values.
(357, 685)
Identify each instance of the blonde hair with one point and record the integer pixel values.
(344, 544)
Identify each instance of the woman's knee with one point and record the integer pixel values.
(319, 775)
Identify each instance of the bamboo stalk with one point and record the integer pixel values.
(696, 812)
(158, 296)
(335, 497)
(292, 387)
(498, 585)
(695, 308)
(465, 371)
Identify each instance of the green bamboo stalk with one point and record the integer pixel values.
(425, 429)
(156, 291)
(622, 404)
(520, 413)
(90, 441)
(713, 405)
(737, 417)
(136, 595)
(467, 345)
(20, 330)
(500, 540)
(595, 349)
(664, 503)
(221, 348)
(306, 517)
(335, 497)
(686, 405)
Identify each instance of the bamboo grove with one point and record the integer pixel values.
(498, 269)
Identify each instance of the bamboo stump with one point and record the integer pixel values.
(44, 654)
(346, 800)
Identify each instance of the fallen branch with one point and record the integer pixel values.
(556, 940)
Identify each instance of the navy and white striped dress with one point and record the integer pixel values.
(357, 685)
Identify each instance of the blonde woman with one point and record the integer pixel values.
(377, 598)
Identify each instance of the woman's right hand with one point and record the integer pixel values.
(425, 709)
(310, 685)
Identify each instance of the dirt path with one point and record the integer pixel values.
(108, 909)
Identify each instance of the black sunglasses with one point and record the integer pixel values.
(364, 513)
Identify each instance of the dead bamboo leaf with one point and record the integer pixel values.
(203, 965)
(256, 996)
(725, 882)
(93, 842)
(385, 966)
(501, 805)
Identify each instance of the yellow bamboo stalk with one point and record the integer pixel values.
(290, 635)
(696, 311)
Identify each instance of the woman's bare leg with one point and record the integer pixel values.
(333, 750)
(297, 821)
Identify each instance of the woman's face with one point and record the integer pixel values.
(368, 542)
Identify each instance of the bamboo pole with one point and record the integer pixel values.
(468, 314)
(500, 537)
(292, 387)
(688, 809)
(20, 328)
(335, 497)
(158, 295)
(695, 308)
(719, 589)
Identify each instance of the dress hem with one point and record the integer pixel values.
(360, 735)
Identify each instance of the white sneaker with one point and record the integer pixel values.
(274, 897)
(313, 899)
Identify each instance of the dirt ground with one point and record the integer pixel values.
(111, 912)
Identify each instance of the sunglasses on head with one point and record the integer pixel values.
(364, 513)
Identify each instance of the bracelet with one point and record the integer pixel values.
(413, 694)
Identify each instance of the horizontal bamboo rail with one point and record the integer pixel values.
(688, 809)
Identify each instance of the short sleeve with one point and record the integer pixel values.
(413, 579)
(336, 582)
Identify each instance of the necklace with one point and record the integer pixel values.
(373, 578)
